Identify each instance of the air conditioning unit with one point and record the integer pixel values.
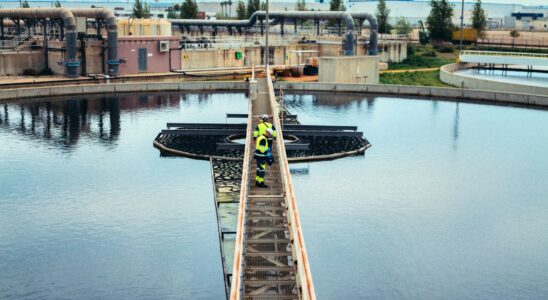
(163, 46)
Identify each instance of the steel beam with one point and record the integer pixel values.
(206, 125)
(202, 131)
(318, 127)
(236, 146)
(323, 133)
(245, 116)
(222, 131)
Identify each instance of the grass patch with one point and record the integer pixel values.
(430, 78)
(416, 62)
(424, 56)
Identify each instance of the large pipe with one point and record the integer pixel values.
(325, 15)
(71, 62)
(112, 33)
(11, 23)
(301, 15)
(373, 29)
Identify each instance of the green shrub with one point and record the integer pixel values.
(410, 50)
(429, 53)
(444, 47)
(30, 72)
(46, 72)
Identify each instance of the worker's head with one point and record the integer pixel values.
(268, 132)
(264, 118)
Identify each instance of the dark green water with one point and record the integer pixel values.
(449, 203)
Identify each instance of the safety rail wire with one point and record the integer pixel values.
(502, 53)
(304, 275)
(236, 287)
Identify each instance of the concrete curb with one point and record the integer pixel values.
(425, 91)
(448, 76)
(33, 92)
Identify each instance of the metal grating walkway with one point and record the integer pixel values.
(269, 272)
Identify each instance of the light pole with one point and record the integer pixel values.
(266, 52)
(461, 25)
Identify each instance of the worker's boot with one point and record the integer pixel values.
(261, 185)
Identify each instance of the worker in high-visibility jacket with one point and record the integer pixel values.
(262, 153)
(261, 129)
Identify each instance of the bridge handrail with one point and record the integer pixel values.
(239, 244)
(503, 53)
(304, 275)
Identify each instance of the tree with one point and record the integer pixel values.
(172, 14)
(514, 34)
(336, 5)
(25, 4)
(140, 10)
(176, 7)
(222, 3)
(57, 4)
(439, 22)
(263, 6)
(240, 10)
(229, 3)
(403, 26)
(189, 9)
(382, 17)
(301, 5)
(253, 6)
(479, 21)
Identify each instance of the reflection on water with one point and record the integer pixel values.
(449, 202)
(89, 209)
(518, 77)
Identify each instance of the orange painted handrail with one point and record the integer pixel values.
(304, 275)
(237, 272)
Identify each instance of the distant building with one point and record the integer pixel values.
(527, 21)
(494, 23)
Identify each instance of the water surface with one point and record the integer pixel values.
(517, 77)
(89, 209)
(450, 202)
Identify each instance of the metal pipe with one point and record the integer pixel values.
(71, 61)
(108, 17)
(267, 49)
(461, 25)
(373, 30)
(301, 15)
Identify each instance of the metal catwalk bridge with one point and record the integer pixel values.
(270, 260)
(504, 58)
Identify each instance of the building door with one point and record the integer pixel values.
(142, 59)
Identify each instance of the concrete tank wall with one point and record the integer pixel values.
(226, 58)
(95, 62)
(14, 63)
(56, 56)
(421, 91)
(349, 69)
(448, 76)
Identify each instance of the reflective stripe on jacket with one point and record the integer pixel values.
(261, 129)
